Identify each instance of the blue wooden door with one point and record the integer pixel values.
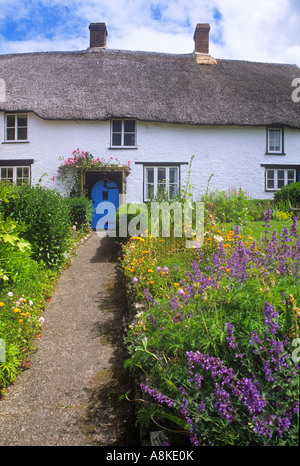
(104, 192)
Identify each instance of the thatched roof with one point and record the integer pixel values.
(97, 84)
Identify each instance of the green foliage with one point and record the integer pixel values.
(80, 212)
(46, 215)
(289, 193)
(35, 235)
(188, 297)
(231, 206)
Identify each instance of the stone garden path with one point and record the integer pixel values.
(70, 395)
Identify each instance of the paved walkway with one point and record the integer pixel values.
(70, 395)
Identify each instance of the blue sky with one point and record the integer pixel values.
(255, 30)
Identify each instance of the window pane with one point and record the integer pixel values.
(22, 133)
(173, 175)
(150, 175)
(22, 120)
(7, 174)
(10, 120)
(275, 140)
(172, 191)
(129, 139)
(290, 176)
(270, 179)
(161, 175)
(117, 126)
(149, 191)
(10, 134)
(280, 183)
(129, 126)
(116, 139)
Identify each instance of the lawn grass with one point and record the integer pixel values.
(256, 229)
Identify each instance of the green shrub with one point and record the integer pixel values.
(231, 206)
(46, 216)
(80, 212)
(289, 193)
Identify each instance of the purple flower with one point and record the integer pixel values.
(158, 396)
(229, 328)
(251, 396)
(270, 318)
(223, 404)
(148, 295)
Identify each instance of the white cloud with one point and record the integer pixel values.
(260, 30)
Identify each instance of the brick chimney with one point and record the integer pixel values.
(201, 38)
(98, 34)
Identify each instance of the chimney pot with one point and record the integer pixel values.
(201, 38)
(98, 34)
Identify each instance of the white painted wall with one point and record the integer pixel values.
(232, 154)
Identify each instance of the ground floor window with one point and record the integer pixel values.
(161, 182)
(18, 175)
(276, 178)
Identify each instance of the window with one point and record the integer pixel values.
(16, 127)
(18, 175)
(276, 178)
(123, 133)
(161, 180)
(275, 141)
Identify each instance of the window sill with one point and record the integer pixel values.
(123, 147)
(16, 142)
(275, 153)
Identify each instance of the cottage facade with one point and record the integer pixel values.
(154, 110)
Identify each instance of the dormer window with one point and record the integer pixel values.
(275, 141)
(16, 129)
(123, 133)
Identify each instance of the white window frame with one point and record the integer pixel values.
(122, 134)
(270, 139)
(16, 127)
(15, 177)
(156, 182)
(277, 179)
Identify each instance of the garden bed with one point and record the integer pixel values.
(39, 229)
(212, 343)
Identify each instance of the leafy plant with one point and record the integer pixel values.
(195, 302)
(46, 215)
(289, 193)
(80, 212)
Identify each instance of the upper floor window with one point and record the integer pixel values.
(275, 141)
(16, 127)
(123, 133)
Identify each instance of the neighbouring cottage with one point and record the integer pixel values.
(154, 111)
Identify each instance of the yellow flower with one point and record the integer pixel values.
(15, 309)
(176, 284)
(1, 304)
(150, 270)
